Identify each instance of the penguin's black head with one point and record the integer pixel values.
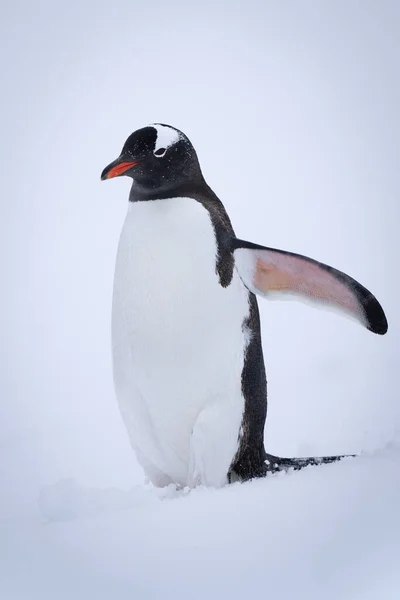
(158, 158)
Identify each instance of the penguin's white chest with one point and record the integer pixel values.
(178, 344)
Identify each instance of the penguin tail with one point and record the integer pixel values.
(274, 464)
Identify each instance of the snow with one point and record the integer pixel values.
(293, 111)
(327, 532)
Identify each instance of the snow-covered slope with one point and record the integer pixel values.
(328, 532)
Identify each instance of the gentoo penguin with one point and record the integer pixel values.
(187, 356)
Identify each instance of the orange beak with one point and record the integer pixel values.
(117, 168)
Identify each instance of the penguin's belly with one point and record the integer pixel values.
(178, 344)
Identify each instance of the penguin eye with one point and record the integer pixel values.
(160, 152)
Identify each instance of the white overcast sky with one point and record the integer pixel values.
(293, 108)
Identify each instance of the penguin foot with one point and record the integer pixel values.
(249, 464)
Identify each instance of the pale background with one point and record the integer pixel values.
(293, 110)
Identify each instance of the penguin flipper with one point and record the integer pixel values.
(268, 272)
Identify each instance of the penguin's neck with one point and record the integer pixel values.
(186, 189)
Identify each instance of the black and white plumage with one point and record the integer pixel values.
(188, 362)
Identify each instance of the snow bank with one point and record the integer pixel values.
(326, 532)
(66, 499)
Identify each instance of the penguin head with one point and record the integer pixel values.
(157, 158)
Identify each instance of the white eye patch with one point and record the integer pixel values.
(166, 137)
